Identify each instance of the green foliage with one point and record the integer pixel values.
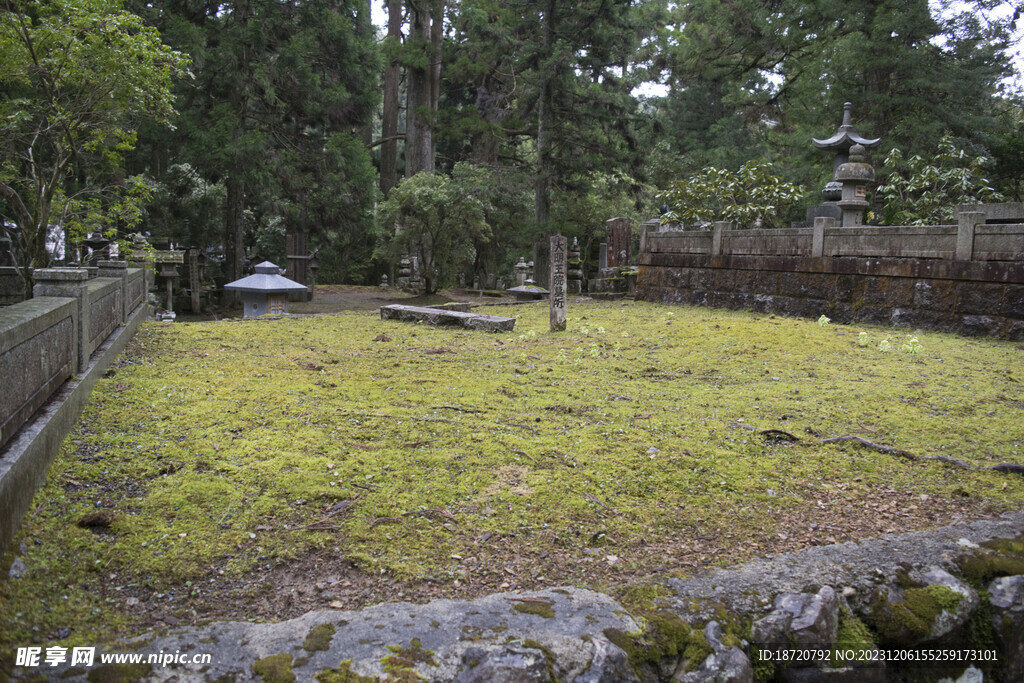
(921, 191)
(76, 77)
(438, 218)
(751, 194)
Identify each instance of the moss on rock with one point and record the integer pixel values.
(275, 668)
(319, 638)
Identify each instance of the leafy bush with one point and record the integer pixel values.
(751, 194)
(920, 192)
(438, 218)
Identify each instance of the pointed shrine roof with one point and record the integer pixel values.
(846, 136)
(267, 278)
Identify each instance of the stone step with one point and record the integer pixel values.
(440, 316)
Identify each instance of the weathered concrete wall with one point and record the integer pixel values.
(73, 326)
(37, 353)
(105, 309)
(967, 278)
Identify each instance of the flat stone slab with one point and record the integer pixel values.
(499, 637)
(440, 316)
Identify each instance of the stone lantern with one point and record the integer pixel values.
(857, 178)
(521, 271)
(842, 143)
(266, 291)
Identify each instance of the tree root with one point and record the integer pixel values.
(780, 436)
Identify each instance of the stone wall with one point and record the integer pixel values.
(53, 348)
(38, 351)
(967, 278)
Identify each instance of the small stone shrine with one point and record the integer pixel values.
(837, 205)
(266, 291)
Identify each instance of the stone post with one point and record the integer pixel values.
(521, 270)
(557, 283)
(620, 242)
(118, 269)
(818, 238)
(575, 268)
(194, 283)
(602, 256)
(967, 221)
(716, 236)
(541, 262)
(74, 283)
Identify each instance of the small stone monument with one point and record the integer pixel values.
(6, 256)
(558, 280)
(266, 291)
(575, 285)
(384, 282)
(522, 272)
(404, 272)
(98, 245)
(619, 236)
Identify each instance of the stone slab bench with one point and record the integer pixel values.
(440, 316)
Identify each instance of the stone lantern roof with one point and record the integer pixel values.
(267, 279)
(846, 137)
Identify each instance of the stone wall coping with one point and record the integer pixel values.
(22, 321)
(101, 286)
(60, 275)
(112, 265)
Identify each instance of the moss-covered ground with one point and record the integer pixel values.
(256, 469)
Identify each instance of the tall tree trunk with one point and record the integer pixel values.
(389, 119)
(421, 86)
(542, 185)
(234, 216)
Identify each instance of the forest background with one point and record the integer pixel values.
(227, 125)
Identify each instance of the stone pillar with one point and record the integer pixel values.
(6, 256)
(69, 282)
(716, 236)
(602, 256)
(521, 271)
(558, 283)
(118, 269)
(620, 242)
(194, 283)
(967, 221)
(575, 269)
(818, 238)
(541, 261)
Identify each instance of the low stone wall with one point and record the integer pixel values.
(53, 348)
(967, 278)
(38, 351)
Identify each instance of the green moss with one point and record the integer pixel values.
(319, 638)
(540, 609)
(665, 635)
(912, 619)
(641, 597)
(275, 668)
(549, 657)
(853, 634)
(400, 666)
(343, 674)
(998, 557)
(119, 673)
(209, 433)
